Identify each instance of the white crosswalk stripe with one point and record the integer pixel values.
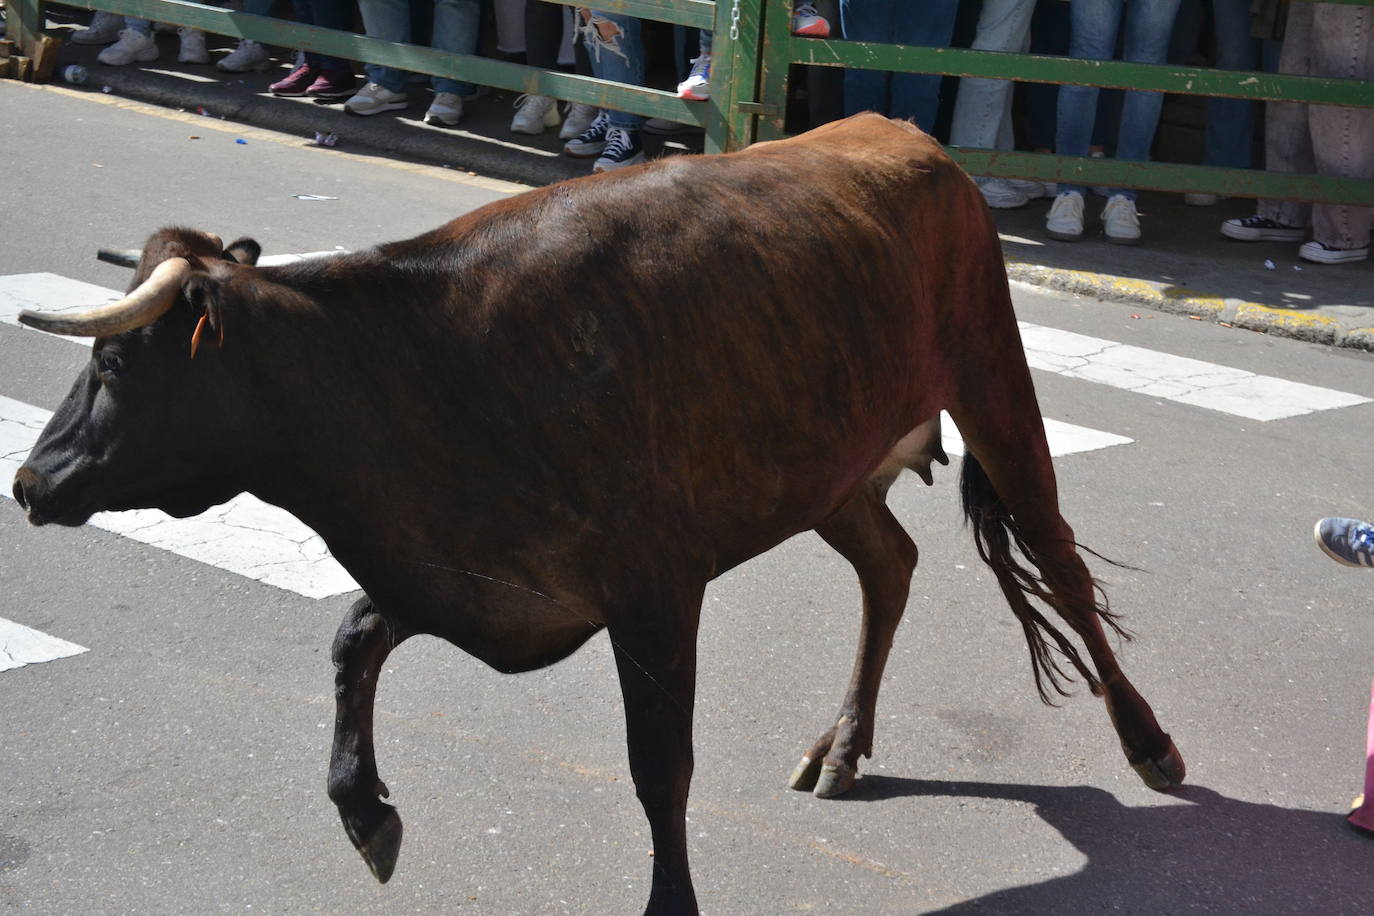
(21, 645)
(261, 542)
(1175, 378)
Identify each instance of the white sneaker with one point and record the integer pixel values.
(192, 47)
(1322, 253)
(1065, 220)
(104, 28)
(1032, 189)
(1000, 194)
(249, 55)
(132, 46)
(1119, 220)
(446, 109)
(533, 113)
(579, 118)
(374, 98)
(697, 85)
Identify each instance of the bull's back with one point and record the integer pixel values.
(737, 340)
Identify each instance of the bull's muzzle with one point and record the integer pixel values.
(28, 487)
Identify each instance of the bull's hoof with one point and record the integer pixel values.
(823, 779)
(804, 777)
(835, 780)
(376, 834)
(1165, 772)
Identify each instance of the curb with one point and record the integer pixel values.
(1175, 300)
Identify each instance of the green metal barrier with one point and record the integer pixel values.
(752, 54)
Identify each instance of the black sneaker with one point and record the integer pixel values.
(591, 141)
(1261, 229)
(622, 149)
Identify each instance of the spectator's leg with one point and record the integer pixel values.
(543, 34)
(617, 54)
(867, 20)
(1049, 35)
(1342, 138)
(457, 27)
(1287, 139)
(982, 106)
(388, 20)
(327, 14)
(1148, 28)
(1231, 122)
(1094, 28)
(927, 24)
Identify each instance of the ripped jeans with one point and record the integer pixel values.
(618, 58)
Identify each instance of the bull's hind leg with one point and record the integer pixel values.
(1014, 505)
(363, 641)
(865, 533)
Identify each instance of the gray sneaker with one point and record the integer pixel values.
(104, 28)
(579, 118)
(1348, 541)
(373, 99)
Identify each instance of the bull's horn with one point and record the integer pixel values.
(153, 297)
(122, 257)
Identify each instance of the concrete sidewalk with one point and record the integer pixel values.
(1183, 265)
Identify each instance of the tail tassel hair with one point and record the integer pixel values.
(995, 533)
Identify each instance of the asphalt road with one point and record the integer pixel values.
(179, 764)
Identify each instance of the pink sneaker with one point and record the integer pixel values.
(332, 84)
(295, 83)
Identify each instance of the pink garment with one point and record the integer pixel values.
(1330, 40)
(1363, 816)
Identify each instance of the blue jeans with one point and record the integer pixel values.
(619, 59)
(456, 24)
(1231, 122)
(1095, 25)
(927, 23)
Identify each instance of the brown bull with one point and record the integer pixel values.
(754, 345)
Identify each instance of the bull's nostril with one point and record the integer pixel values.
(19, 495)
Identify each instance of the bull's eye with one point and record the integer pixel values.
(111, 364)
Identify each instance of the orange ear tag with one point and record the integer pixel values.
(195, 335)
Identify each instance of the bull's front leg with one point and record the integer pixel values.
(656, 659)
(361, 646)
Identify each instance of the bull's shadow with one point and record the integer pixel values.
(1212, 855)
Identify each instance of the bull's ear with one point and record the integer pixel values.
(244, 250)
(204, 293)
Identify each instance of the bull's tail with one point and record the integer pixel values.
(1043, 576)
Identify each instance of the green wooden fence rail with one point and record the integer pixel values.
(784, 50)
(753, 55)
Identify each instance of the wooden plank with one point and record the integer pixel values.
(45, 57)
(22, 67)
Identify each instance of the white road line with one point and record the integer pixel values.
(1064, 438)
(21, 645)
(244, 536)
(1176, 378)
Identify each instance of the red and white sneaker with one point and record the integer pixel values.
(808, 23)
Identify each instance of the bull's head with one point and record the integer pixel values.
(131, 433)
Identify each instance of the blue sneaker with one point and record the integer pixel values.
(1348, 541)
